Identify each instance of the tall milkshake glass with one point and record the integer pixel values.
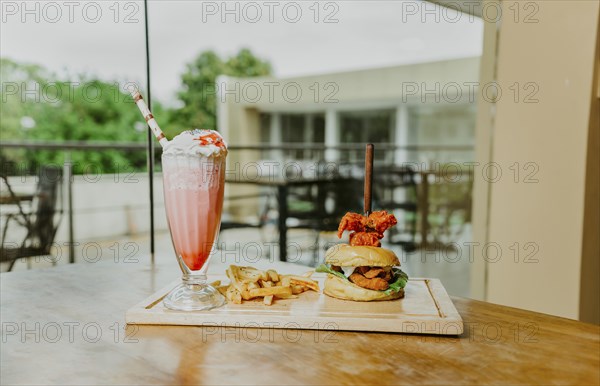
(193, 166)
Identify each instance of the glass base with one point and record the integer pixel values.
(193, 297)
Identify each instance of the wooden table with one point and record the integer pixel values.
(7, 199)
(65, 325)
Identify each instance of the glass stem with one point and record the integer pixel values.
(194, 279)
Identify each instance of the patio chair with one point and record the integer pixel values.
(320, 207)
(262, 218)
(39, 225)
(385, 188)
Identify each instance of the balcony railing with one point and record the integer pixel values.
(342, 152)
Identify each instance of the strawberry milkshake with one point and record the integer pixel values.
(193, 165)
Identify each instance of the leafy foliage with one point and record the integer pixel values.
(38, 106)
(198, 93)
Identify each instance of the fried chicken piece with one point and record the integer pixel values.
(376, 283)
(380, 221)
(351, 222)
(337, 268)
(386, 275)
(366, 230)
(373, 272)
(365, 238)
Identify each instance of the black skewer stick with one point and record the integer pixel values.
(150, 147)
(368, 177)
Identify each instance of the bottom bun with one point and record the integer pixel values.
(344, 289)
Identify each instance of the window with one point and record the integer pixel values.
(294, 129)
(444, 126)
(360, 127)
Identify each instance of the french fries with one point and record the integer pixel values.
(303, 281)
(273, 275)
(276, 291)
(247, 283)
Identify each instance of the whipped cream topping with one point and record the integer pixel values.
(208, 143)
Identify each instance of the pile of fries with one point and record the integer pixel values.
(249, 283)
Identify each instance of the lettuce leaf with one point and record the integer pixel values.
(399, 279)
(326, 269)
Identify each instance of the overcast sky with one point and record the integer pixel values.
(94, 37)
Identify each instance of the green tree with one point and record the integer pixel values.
(86, 108)
(198, 87)
(82, 109)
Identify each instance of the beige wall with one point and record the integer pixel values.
(247, 131)
(379, 87)
(557, 55)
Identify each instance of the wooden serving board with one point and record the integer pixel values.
(425, 309)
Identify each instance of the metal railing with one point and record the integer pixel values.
(71, 146)
(88, 145)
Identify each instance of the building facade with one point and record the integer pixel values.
(421, 108)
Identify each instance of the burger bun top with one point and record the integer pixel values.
(345, 255)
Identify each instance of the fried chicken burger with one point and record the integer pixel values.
(363, 270)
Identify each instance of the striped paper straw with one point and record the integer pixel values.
(139, 101)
